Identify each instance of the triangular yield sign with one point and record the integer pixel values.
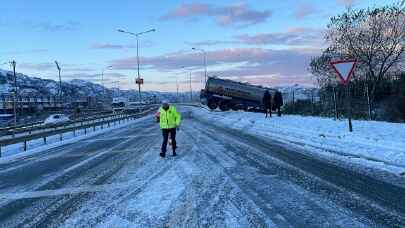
(344, 69)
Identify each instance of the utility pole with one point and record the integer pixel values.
(102, 83)
(60, 83)
(312, 101)
(191, 90)
(177, 89)
(139, 81)
(205, 62)
(137, 63)
(349, 107)
(13, 64)
(102, 80)
(335, 103)
(370, 116)
(293, 100)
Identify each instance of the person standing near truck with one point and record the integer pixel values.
(278, 102)
(169, 120)
(267, 103)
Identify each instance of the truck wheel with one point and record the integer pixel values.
(235, 107)
(224, 106)
(212, 104)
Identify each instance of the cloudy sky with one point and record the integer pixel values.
(266, 42)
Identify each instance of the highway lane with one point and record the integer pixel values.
(221, 178)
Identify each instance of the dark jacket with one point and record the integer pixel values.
(267, 99)
(278, 100)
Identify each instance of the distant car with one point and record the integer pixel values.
(6, 118)
(56, 119)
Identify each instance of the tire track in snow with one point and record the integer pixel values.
(293, 160)
(74, 172)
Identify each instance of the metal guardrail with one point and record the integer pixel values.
(21, 126)
(60, 130)
(39, 126)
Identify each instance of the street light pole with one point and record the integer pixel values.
(205, 61)
(13, 64)
(116, 85)
(205, 65)
(60, 83)
(137, 62)
(102, 79)
(191, 90)
(177, 88)
(137, 55)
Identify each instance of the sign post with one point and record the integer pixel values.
(344, 70)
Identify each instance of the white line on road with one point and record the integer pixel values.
(64, 191)
(121, 138)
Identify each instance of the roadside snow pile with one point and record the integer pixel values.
(371, 140)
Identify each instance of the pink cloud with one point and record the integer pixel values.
(212, 43)
(305, 10)
(293, 36)
(110, 46)
(346, 2)
(37, 66)
(288, 65)
(49, 26)
(232, 15)
(188, 10)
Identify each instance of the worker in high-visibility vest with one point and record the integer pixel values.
(169, 120)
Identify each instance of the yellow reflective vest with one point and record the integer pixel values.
(170, 118)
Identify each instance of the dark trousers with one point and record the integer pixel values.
(166, 132)
(279, 111)
(268, 111)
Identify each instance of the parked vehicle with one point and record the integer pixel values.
(56, 119)
(5, 119)
(228, 94)
(119, 103)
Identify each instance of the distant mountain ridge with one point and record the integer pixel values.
(33, 86)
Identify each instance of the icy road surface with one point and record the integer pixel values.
(220, 178)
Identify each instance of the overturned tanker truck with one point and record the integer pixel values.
(227, 94)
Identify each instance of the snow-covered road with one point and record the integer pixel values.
(221, 178)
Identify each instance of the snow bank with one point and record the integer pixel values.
(371, 140)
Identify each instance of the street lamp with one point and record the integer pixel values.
(191, 88)
(15, 90)
(102, 78)
(177, 85)
(116, 85)
(60, 82)
(205, 60)
(139, 81)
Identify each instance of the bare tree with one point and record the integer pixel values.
(375, 37)
(320, 68)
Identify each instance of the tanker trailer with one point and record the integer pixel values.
(227, 94)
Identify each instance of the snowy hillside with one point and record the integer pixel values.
(31, 86)
(299, 93)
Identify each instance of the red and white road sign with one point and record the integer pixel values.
(344, 70)
(139, 81)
